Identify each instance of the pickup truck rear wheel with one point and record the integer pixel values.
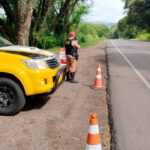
(12, 98)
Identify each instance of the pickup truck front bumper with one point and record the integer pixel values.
(60, 74)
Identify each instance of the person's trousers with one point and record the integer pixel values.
(71, 63)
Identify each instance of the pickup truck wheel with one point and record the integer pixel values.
(12, 98)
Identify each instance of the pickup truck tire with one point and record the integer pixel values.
(12, 98)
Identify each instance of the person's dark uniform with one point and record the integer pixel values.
(71, 50)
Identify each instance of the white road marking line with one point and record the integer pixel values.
(133, 67)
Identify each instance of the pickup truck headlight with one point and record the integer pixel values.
(35, 63)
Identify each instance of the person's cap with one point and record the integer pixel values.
(72, 34)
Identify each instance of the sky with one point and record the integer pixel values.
(110, 11)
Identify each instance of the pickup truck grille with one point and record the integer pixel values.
(53, 63)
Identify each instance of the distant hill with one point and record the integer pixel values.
(109, 24)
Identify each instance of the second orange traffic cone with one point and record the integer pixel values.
(98, 81)
(94, 139)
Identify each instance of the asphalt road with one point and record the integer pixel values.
(129, 70)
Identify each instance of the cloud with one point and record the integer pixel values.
(106, 11)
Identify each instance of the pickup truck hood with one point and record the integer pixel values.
(26, 49)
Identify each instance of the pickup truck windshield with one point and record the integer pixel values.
(4, 42)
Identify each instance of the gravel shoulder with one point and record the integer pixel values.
(60, 121)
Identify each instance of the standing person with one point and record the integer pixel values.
(71, 55)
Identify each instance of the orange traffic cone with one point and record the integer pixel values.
(62, 56)
(94, 139)
(98, 81)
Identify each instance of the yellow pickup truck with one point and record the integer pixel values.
(26, 71)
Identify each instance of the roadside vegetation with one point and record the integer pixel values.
(91, 34)
(88, 34)
(47, 23)
(136, 25)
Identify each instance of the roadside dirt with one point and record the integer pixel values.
(60, 122)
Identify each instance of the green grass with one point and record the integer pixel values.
(55, 49)
(92, 42)
(89, 42)
(144, 37)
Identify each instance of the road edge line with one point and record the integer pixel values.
(146, 83)
(113, 140)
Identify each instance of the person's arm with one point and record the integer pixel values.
(75, 44)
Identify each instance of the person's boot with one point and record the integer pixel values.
(72, 78)
(68, 76)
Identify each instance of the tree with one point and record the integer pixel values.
(137, 20)
(114, 33)
(102, 30)
(24, 14)
(15, 25)
(70, 21)
(24, 20)
(40, 13)
(8, 23)
(139, 12)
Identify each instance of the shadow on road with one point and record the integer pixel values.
(86, 85)
(36, 102)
